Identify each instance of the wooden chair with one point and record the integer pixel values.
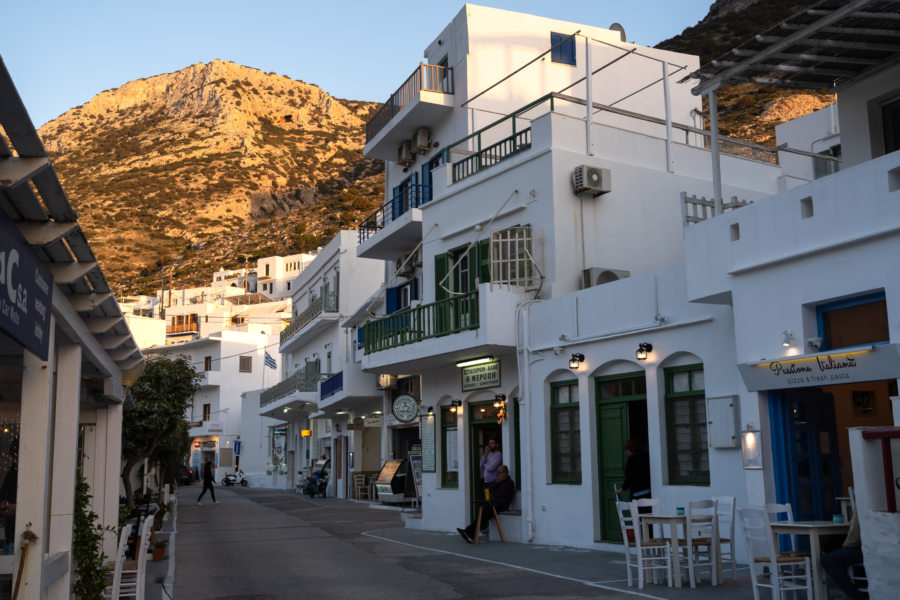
(113, 590)
(653, 554)
(784, 512)
(360, 487)
(626, 523)
(702, 533)
(779, 572)
(134, 572)
(726, 531)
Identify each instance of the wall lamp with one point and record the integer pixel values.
(788, 339)
(455, 405)
(751, 448)
(430, 410)
(643, 349)
(576, 360)
(499, 400)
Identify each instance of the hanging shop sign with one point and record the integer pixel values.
(479, 377)
(865, 363)
(26, 291)
(405, 408)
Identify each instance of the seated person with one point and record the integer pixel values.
(503, 490)
(837, 563)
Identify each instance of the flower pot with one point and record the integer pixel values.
(159, 553)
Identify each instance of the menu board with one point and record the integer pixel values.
(415, 463)
(427, 435)
(388, 471)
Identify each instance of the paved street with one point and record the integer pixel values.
(258, 544)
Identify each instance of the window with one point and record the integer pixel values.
(686, 425)
(288, 286)
(449, 449)
(821, 168)
(853, 322)
(890, 118)
(207, 363)
(267, 270)
(564, 52)
(246, 364)
(398, 298)
(565, 433)
(206, 412)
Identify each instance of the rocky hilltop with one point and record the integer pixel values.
(178, 174)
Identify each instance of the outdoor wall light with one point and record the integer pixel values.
(455, 405)
(787, 341)
(751, 448)
(475, 361)
(576, 360)
(499, 400)
(430, 410)
(643, 349)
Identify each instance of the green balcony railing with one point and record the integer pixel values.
(443, 317)
(325, 303)
(301, 381)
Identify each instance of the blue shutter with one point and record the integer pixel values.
(392, 300)
(361, 335)
(414, 289)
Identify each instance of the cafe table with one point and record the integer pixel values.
(673, 521)
(814, 530)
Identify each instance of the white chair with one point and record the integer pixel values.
(134, 577)
(653, 554)
(725, 506)
(779, 572)
(113, 590)
(702, 533)
(784, 512)
(626, 523)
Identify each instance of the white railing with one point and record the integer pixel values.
(694, 209)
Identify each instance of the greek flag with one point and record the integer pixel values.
(270, 362)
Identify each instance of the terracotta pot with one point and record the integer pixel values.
(159, 553)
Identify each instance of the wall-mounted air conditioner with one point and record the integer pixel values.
(406, 265)
(595, 276)
(595, 180)
(405, 154)
(386, 382)
(422, 140)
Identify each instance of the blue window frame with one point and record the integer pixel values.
(858, 321)
(564, 52)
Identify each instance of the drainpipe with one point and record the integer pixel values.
(522, 343)
(665, 80)
(589, 97)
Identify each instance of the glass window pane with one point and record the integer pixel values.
(609, 389)
(697, 380)
(681, 381)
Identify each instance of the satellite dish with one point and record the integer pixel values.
(619, 28)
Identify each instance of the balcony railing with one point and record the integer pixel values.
(443, 317)
(182, 328)
(404, 199)
(301, 381)
(332, 385)
(325, 303)
(493, 154)
(429, 78)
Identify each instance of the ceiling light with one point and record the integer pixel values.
(475, 361)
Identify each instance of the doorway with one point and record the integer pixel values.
(621, 415)
(483, 425)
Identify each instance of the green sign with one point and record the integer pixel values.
(479, 377)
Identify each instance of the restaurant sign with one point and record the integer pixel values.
(479, 377)
(26, 290)
(866, 363)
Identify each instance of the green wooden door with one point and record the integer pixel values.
(612, 426)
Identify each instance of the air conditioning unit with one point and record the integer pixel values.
(591, 179)
(386, 382)
(405, 154)
(598, 276)
(407, 264)
(422, 140)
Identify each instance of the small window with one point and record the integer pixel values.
(246, 364)
(288, 286)
(854, 322)
(823, 167)
(207, 363)
(686, 425)
(890, 118)
(449, 449)
(565, 433)
(206, 412)
(563, 48)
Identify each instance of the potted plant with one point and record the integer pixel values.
(159, 549)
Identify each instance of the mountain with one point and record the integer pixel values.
(178, 174)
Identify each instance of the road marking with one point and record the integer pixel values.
(521, 568)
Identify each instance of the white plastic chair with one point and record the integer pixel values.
(133, 579)
(653, 554)
(113, 590)
(702, 533)
(725, 506)
(779, 572)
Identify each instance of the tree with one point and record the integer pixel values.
(162, 394)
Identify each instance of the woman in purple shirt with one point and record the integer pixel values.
(491, 461)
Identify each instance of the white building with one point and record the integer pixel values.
(325, 404)
(542, 240)
(275, 275)
(67, 360)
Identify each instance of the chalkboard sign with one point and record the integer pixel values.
(388, 471)
(427, 433)
(415, 464)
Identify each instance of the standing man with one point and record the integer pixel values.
(490, 462)
(637, 471)
(207, 483)
(503, 490)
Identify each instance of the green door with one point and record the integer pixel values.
(612, 426)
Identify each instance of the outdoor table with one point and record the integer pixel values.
(814, 530)
(673, 521)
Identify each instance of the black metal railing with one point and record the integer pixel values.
(301, 381)
(412, 196)
(332, 385)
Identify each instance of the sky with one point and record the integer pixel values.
(61, 53)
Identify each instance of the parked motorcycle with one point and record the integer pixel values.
(317, 483)
(234, 479)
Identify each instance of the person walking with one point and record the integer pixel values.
(207, 484)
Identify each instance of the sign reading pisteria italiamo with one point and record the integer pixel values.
(479, 377)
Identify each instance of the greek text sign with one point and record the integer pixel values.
(26, 290)
(478, 377)
(869, 363)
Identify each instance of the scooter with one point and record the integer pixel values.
(316, 484)
(234, 479)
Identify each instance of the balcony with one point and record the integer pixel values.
(182, 328)
(426, 95)
(332, 385)
(403, 222)
(301, 381)
(298, 331)
(437, 319)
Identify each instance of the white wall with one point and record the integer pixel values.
(860, 115)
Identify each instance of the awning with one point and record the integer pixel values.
(853, 365)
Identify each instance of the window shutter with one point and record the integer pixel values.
(414, 289)
(484, 260)
(441, 266)
(473, 266)
(361, 335)
(392, 300)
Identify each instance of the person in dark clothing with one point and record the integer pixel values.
(637, 472)
(503, 490)
(207, 483)
(849, 555)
